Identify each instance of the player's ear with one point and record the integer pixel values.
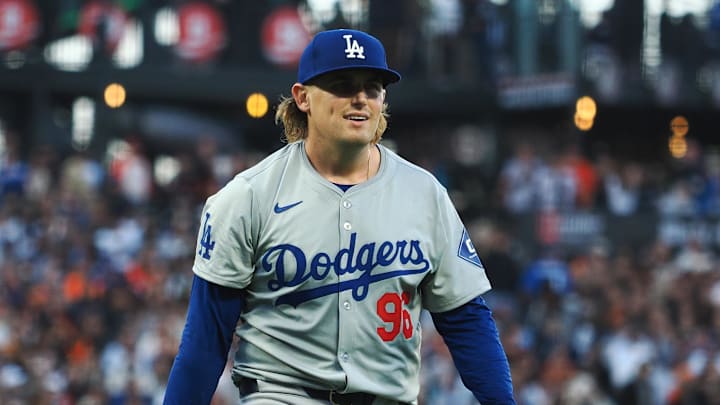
(300, 95)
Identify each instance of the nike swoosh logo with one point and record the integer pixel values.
(278, 209)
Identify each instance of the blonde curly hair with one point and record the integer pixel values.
(295, 123)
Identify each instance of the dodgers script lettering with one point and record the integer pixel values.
(291, 267)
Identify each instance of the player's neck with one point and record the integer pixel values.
(344, 165)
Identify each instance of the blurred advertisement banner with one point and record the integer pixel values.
(284, 37)
(19, 24)
(680, 231)
(578, 230)
(202, 32)
(535, 91)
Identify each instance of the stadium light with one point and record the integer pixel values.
(583, 124)
(115, 95)
(678, 146)
(257, 105)
(679, 126)
(586, 108)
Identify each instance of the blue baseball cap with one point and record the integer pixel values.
(342, 49)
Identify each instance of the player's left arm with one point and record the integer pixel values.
(470, 333)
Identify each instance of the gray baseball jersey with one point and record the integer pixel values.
(335, 281)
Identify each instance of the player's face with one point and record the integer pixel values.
(345, 106)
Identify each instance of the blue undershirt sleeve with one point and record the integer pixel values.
(472, 337)
(212, 315)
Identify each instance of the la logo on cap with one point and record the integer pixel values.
(353, 50)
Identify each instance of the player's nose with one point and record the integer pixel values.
(360, 96)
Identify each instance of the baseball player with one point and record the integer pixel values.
(327, 251)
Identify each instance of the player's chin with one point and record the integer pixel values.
(359, 136)
(360, 141)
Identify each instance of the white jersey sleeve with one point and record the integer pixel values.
(458, 275)
(224, 252)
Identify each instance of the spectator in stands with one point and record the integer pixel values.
(709, 196)
(678, 200)
(516, 187)
(442, 27)
(623, 186)
(695, 257)
(502, 266)
(555, 184)
(13, 168)
(132, 172)
(584, 173)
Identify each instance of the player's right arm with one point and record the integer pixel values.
(222, 267)
(212, 315)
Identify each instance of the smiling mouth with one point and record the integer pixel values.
(356, 118)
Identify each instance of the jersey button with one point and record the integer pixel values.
(346, 305)
(345, 357)
(347, 226)
(347, 204)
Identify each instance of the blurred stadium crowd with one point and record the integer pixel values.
(96, 250)
(96, 255)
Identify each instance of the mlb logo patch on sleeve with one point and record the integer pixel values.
(466, 250)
